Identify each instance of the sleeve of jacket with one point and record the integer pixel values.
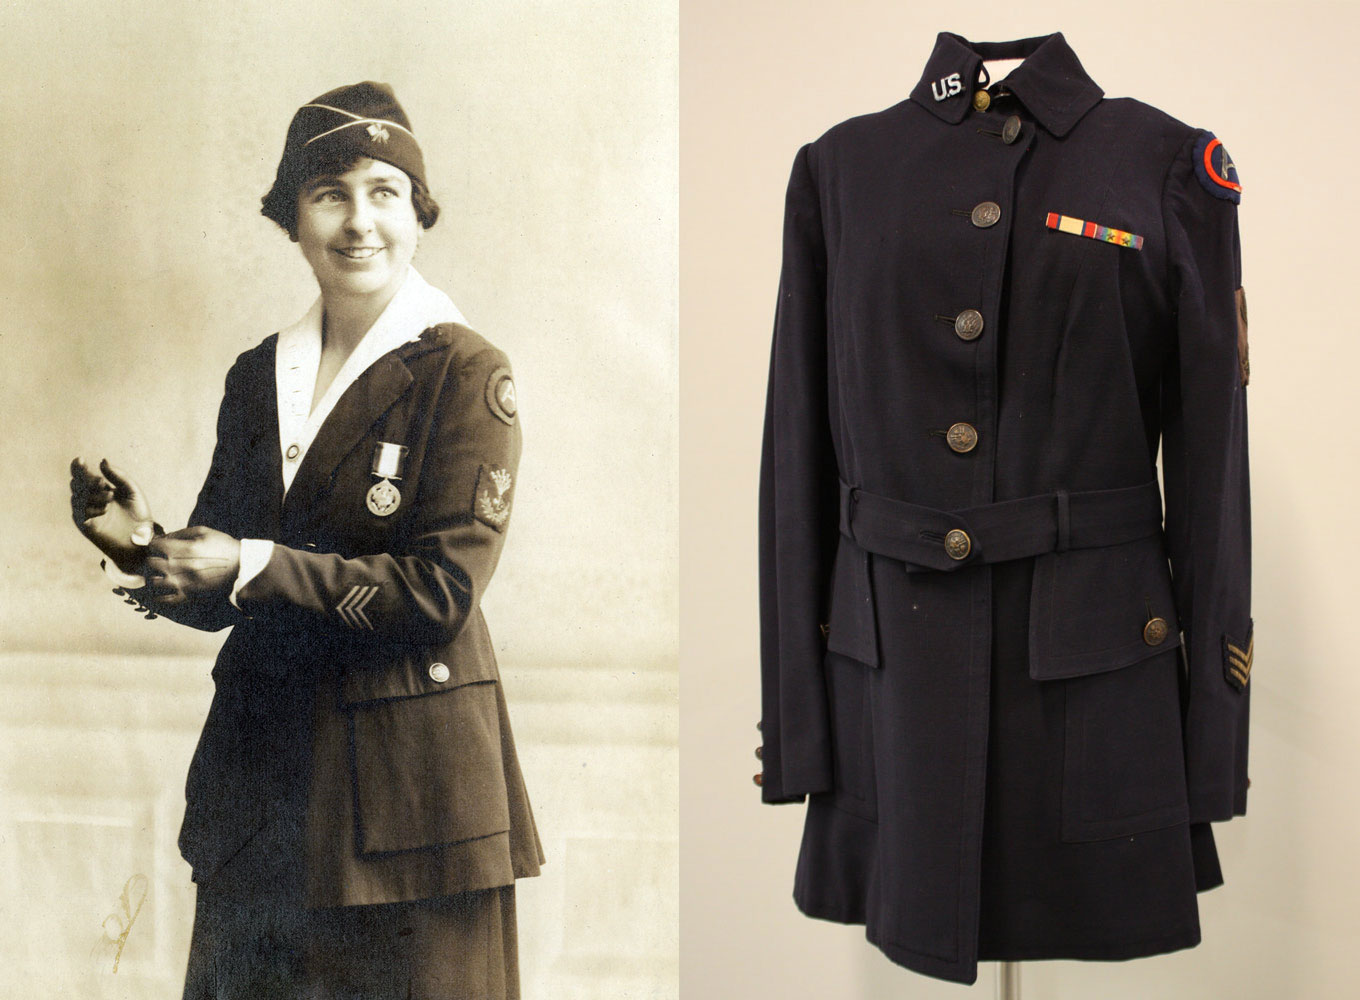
(1205, 472)
(798, 511)
(424, 591)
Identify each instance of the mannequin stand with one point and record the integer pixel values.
(1008, 981)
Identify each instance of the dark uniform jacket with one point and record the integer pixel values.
(357, 749)
(1007, 671)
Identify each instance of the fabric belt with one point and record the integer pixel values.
(1011, 529)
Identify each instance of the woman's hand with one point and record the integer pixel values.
(191, 563)
(110, 510)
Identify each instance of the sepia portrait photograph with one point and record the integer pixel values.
(339, 614)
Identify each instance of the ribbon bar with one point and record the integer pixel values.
(1093, 230)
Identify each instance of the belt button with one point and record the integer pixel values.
(968, 324)
(957, 544)
(962, 437)
(981, 100)
(1011, 130)
(1154, 632)
(986, 214)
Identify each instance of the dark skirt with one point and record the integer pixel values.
(460, 947)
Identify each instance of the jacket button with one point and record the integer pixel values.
(962, 437)
(760, 753)
(759, 779)
(957, 544)
(1154, 632)
(292, 453)
(439, 673)
(986, 213)
(981, 100)
(1011, 130)
(968, 324)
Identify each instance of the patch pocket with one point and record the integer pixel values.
(1123, 763)
(1100, 609)
(428, 768)
(852, 737)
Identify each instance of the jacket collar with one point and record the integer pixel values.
(1050, 83)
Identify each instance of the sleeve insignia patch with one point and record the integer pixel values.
(351, 608)
(494, 490)
(500, 395)
(1214, 169)
(1243, 365)
(1237, 660)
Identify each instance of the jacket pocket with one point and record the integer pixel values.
(852, 736)
(853, 624)
(1123, 763)
(427, 766)
(1099, 609)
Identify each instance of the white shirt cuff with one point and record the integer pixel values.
(255, 553)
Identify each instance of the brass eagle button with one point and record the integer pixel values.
(957, 544)
(985, 214)
(968, 324)
(760, 753)
(439, 673)
(981, 100)
(1154, 632)
(759, 779)
(1011, 130)
(962, 437)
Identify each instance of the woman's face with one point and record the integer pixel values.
(358, 229)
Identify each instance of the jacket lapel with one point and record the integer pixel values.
(362, 404)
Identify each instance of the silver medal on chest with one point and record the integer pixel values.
(383, 497)
(389, 461)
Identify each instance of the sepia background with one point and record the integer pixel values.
(139, 141)
(761, 78)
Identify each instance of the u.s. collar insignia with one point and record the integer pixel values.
(493, 494)
(1215, 171)
(378, 133)
(500, 395)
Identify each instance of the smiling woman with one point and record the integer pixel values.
(356, 818)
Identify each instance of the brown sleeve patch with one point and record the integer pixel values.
(1242, 364)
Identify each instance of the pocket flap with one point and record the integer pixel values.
(387, 671)
(1099, 609)
(853, 629)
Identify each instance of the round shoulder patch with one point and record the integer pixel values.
(1215, 170)
(500, 395)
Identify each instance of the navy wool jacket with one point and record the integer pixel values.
(1004, 664)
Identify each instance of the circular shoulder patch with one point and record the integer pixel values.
(1215, 169)
(500, 395)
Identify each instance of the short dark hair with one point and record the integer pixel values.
(280, 204)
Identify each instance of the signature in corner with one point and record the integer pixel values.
(133, 887)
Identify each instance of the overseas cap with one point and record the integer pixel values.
(363, 119)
